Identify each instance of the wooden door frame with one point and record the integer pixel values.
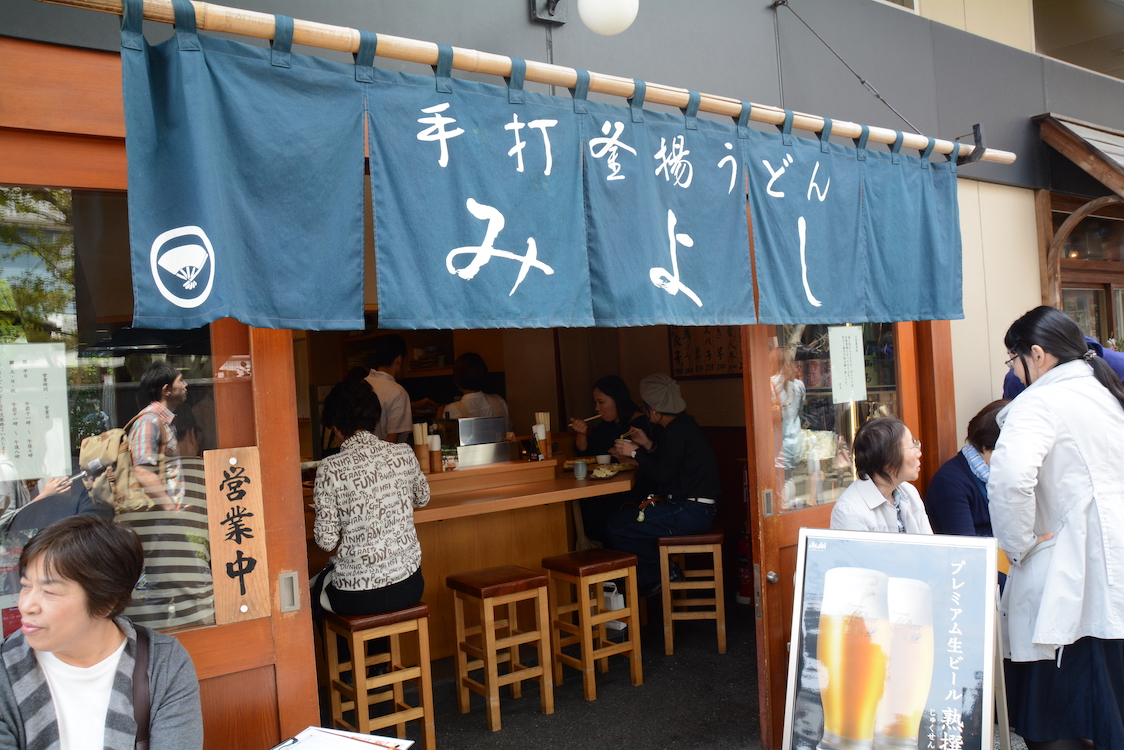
(62, 125)
(928, 407)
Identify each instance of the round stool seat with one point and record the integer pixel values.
(493, 582)
(356, 623)
(714, 536)
(589, 562)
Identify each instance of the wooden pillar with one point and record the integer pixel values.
(936, 397)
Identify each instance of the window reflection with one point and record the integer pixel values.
(815, 432)
(69, 373)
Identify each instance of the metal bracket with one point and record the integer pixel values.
(767, 500)
(548, 12)
(977, 147)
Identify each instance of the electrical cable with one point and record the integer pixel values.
(863, 81)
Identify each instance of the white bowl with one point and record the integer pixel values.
(604, 458)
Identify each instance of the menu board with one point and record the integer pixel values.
(893, 642)
(34, 424)
(848, 370)
(705, 351)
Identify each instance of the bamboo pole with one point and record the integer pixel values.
(211, 17)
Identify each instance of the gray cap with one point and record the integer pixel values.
(662, 394)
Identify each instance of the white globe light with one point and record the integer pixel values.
(608, 17)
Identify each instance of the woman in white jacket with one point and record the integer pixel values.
(1057, 507)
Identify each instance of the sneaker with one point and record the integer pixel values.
(675, 574)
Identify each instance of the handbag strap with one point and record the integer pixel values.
(141, 698)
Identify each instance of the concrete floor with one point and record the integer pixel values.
(694, 699)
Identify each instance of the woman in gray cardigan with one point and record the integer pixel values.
(66, 677)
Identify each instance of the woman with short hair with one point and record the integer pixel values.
(470, 376)
(956, 499)
(365, 497)
(1057, 507)
(66, 678)
(887, 459)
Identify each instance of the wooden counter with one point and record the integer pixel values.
(512, 513)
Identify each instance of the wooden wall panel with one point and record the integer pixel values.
(240, 710)
(213, 656)
(60, 89)
(54, 160)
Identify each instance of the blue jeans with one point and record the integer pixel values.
(663, 518)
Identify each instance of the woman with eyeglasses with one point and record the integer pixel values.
(887, 459)
(1056, 492)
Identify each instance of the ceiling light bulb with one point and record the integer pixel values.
(608, 17)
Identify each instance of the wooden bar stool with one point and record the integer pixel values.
(592, 567)
(485, 590)
(369, 688)
(683, 606)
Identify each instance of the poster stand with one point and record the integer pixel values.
(1001, 719)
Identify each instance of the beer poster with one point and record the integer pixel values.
(893, 642)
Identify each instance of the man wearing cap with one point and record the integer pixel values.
(679, 460)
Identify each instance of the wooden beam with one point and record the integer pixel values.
(1082, 153)
(1048, 273)
(211, 17)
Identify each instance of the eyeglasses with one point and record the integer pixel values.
(1011, 362)
(917, 445)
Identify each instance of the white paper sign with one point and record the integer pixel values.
(848, 372)
(34, 423)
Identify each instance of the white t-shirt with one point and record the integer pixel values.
(479, 404)
(81, 697)
(395, 401)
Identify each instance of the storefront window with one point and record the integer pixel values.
(1095, 238)
(70, 372)
(1085, 306)
(820, 398)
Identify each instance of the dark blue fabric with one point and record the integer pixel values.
(911, 227)
(956, 500)
(449, 177)
(880, 242)
(668, 237)
(807, 232)
(245, 182)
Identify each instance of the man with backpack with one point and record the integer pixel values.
(152, 441)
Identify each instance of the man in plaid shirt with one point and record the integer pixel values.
(164, 387)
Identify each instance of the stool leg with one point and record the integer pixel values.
(359, 675)
(394, 665)
(461, 656)
(634, 632)
(665, 595)
(719, 599)
(601, 634)
(332, 650)
(543, 623)
(425, 688)
(513, 663)
(556, 585)
(491, 665)
(585, 605)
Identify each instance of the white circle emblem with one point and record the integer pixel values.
(187, 262)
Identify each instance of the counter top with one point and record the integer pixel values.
(495, 499)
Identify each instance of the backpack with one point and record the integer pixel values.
(109, 463)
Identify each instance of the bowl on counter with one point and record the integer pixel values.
(604, 458)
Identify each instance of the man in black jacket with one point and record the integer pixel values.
(681, 464)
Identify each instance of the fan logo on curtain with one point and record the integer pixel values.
(183, 266)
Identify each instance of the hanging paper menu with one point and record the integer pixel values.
(34, 424)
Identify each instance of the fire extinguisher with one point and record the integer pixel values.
(745, 570)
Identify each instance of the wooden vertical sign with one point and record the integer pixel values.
(238, 551)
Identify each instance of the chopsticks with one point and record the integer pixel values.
(590, 419)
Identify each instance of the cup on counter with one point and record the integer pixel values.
(435, 453)
(604, 458)
(580, 470)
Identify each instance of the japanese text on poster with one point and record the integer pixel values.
(34, 425)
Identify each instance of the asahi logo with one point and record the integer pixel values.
(183, 266)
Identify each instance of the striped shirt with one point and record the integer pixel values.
(176, 590)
